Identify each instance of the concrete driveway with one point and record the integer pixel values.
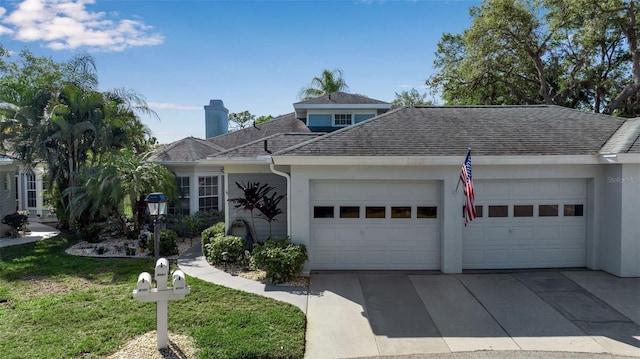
(370, 314)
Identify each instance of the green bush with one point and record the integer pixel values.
(168, 245)
(17, 220)
(208, 218)
(90, 233)
(208, 234)
(234, 246)
(281, 260)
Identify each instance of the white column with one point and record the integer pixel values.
(452, 223)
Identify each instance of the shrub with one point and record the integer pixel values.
(17, 220)
(208, 218)
(234, 246)
(90, 233)
(281, 260)
(168, 245)
(208, 234)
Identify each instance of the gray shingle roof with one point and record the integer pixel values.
(488, 130)
(274, 144)
(340, 98)
(188, 149)
(281, 124)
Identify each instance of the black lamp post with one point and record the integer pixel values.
(157, 205)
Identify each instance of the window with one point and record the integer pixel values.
(181, 204)
(322, 212)
(375, 212)
(31, 191)
(479, 211)
(548, 210)
(208, 193)
(400, 212)
(498, 211)
(573, 210)
(342, 119)
(427, 212)
(349, 212)
(523, 211)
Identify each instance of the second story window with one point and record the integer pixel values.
(342, 119)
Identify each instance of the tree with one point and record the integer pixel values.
(52, 114)
(410, 98)
(263, 119)
(328, 82)
(241, 119)
(576, 53)
(253, 195)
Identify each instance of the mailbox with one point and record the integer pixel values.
(179, 282)
(162, 269)
(143, 287)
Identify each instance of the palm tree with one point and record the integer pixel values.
(328, 82)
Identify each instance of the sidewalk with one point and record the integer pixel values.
(39, 232)
(193, 263)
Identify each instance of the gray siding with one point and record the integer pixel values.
(279, 226)
(7, 197)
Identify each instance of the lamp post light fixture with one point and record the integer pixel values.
(157, 205)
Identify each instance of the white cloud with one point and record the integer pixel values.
(69, 24)
(173, 106)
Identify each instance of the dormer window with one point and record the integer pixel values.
(342, 119)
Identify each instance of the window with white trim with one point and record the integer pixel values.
(30, 181)
(208, 193)
(181, 204)
(342, 119)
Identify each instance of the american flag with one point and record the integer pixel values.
(467, 181)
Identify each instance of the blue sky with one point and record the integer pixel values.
(254, 55)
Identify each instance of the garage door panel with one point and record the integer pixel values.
(536, 241)
(375, 243)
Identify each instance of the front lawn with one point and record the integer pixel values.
(54, 305)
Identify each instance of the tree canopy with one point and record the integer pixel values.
(575, 53)
(52, 113)
(410, 98)
(327, 82)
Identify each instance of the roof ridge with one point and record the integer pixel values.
(624, 137)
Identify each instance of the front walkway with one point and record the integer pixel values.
(39, 232)
(193, 263)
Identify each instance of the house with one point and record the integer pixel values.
(377, 188)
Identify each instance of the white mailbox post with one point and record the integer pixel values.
(161, 294)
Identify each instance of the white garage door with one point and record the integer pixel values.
(375, 225)
(527, 224)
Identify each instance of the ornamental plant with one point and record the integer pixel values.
(281, 260)
(231, 245)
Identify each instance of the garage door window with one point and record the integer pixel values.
(523, 211)
(349, 212)
(498, 211)
(548, 210)
(322, 212)
(375, 212)
(573, 210)
(427, 212)
(479, 211)
(400, 212)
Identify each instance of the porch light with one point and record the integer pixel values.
(156, 203)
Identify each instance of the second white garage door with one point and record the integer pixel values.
(368, 225)
(527, 224)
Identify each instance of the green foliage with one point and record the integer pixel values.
(208, 234)
(575, 53)
(281, 260)
(242, 119)
(208, 218)
(328, 82)
(232, 245)
(90, 232)
(88, 311)
(410, 98)
(263, 119)
(168, 245)
(17, 220)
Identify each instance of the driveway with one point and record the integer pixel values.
(369, 314)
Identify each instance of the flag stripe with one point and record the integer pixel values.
(467, 181)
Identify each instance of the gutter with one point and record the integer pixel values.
(288, 177)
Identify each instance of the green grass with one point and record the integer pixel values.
(53, 305)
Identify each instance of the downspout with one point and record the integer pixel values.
(288, 177)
